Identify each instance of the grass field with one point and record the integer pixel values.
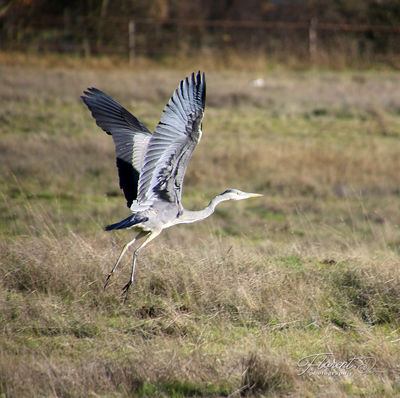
(224, 307)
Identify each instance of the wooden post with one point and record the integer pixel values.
(67, 21)
(131, 41)
(312, 39)
(85, 45)
(67, 30)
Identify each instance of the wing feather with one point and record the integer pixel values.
(172, 144)
(131, 138)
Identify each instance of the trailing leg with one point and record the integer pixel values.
(126, 247)
(149, 238)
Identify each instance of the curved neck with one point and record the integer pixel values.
(189, 216)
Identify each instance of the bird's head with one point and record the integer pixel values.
(235, 194)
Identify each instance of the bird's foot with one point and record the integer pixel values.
(107, 280)
(125, 290)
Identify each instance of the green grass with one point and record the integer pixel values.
(224, 307)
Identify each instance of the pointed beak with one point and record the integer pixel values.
(253, 195)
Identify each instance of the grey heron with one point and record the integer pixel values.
(152, 167)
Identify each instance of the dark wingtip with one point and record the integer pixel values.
(201, 86)
(91, 92)
(200, 76)
(87, 94)
(203, 91)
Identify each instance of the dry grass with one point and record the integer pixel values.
(226, 307)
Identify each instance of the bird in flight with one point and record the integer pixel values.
(151, 167)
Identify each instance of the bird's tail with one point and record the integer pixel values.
(127, 223)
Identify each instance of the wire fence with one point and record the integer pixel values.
(129, 37)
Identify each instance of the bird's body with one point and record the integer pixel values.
(151, 167)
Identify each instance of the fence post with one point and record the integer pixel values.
(67, 45)
(67, 21)
(85, 44)
(312, 39)
(131, 41)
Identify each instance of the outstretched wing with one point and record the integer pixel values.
(130, 136)
(173, 142)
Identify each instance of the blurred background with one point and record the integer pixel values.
(328, 32)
